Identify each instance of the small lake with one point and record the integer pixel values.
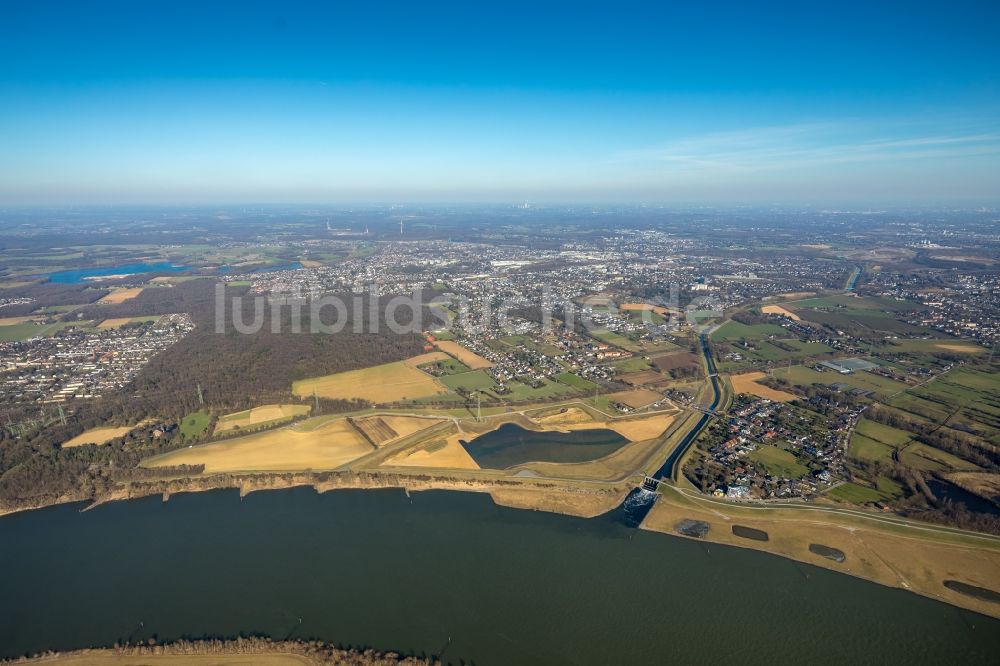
(88, 274)
(510, 445)
(446, 572)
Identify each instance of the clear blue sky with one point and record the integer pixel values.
(716, 102)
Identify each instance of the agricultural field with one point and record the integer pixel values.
(576, 382)
(195, 424)
(636, 399)
(927, 458)
(259, 416)
(857, 494)
(779, 462)
(634, 364)
(28, 329)
(445, 366)
(747, 383)
(778, 310)
(120, 296)
(469, 358)
(98, 436)
(444, 453)
(332, 444)
(390, 382)
(934, 346)
(615, 339)
(866, 448)
(800, 375)
(882, 433)
(469, 381)
(122, 321)
(734, 330)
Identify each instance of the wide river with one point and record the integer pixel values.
(446, 572)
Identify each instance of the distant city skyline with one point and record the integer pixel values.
(778, 102)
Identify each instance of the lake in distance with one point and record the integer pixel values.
(445, 572)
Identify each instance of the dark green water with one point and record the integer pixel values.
(373, 568)
(510, 445)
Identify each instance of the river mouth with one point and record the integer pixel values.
(511, 445)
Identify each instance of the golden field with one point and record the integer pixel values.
(470, 358)
(778, 310)
(258, 415)
(97, 436)
(389, 382)
(747, 383)
(324, 447)
(121, 295)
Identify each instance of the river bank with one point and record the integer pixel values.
(578, 500)
(880, 549)
(241, 651)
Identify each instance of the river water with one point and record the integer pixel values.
(447, 572)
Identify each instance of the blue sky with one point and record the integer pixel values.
(724, 102)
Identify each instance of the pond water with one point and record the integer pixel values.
(510, 445)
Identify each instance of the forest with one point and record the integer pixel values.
(230, 370)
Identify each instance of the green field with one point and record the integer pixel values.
(17, 332)
(734, 330)
(883, 433)
(930, 459)
(615, 339)
(548, 389)
(866, 448)
(448, 366)
(195, 424)
(855, 494)
(470, 381)
(779, 462)
(578, 383)
(803, 376)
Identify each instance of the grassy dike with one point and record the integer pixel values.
(881, 548)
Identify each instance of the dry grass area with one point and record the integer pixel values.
(13, 321)
(642, 378)
(112, 658)
(623, 462)
(471, 359)
(98, 436)
(310, 263)
(446, 453)
(912, 558)
(568, 416)
(583, 504)
(408, 425)
(377, 431)
(984, 484)
(959, 348)
(326, 447)
(778, 310)
(747, 383)
(635, 399)
(639, 429)
(646, 307)
(389, 382)
(259, 415)
(121, 295)
(117, 322)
